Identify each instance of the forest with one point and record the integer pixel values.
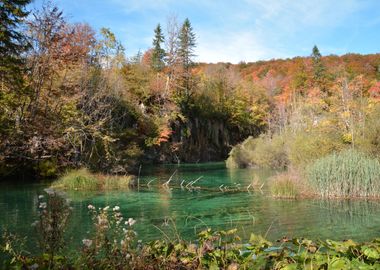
(74, 109)
(70, 98)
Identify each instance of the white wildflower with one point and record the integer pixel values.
(87, 242)
(116, 208)
(91, 207)
(40, 197)
(43, 205)
(130, 222)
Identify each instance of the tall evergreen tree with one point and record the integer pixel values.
(12, 41)
(186, 45)
(318, 67)
(158, 53)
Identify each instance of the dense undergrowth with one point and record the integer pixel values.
(324, 157)
(113, 244)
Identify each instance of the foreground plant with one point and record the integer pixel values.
(53, 215)
(113, 244)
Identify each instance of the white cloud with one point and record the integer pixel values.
(266, 25)
(245, 30)
(233, 47)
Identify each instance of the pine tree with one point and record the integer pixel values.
(158, 53)
(318, 67)
(186, 45)
(12, 41)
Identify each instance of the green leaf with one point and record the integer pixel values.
(292, 266)
(339, 264)
(370, 252)
(214, 266)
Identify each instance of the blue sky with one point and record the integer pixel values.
(240, 30)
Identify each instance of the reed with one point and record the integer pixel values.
(346, 174)
(285, 185)
(117, 182)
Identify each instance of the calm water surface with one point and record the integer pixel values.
(187, 212)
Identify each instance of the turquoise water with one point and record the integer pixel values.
(179, 211)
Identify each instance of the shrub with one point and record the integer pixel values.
(47, 168)
(270, 152)
(264, 152)
(240, 155)
(306, 147)
(345, 174)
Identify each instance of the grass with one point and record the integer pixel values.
(117, 182)
(286, 185)
(84, 180)
(347, 174)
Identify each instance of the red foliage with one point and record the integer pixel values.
(164, 135)
(374, 91)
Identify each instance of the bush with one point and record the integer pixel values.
(264, 152)
(346, 174)
(271, 152)
(306, 147)
(240, 155)
(47, 168)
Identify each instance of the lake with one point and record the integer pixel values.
(175, 210)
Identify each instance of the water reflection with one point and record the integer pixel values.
(175, 210)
